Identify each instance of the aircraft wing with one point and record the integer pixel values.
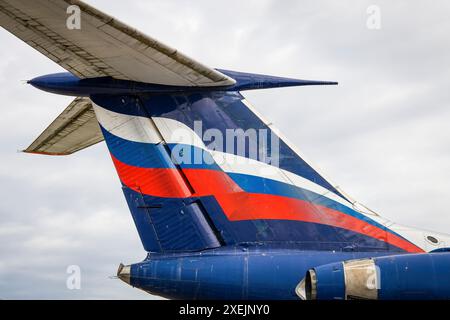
(103, 46)
(74, 129)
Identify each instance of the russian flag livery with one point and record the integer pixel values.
(225, 206)
(164, 160)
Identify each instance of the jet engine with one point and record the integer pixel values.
(398, 277)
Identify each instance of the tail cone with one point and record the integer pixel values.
(123, 273)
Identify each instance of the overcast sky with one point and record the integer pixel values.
(383, 134)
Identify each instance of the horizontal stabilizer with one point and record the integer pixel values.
(74, 129)
(100, 45)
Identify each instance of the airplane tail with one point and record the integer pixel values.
(199, 167)
(202, 170)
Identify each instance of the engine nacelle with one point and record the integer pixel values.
(399, 277)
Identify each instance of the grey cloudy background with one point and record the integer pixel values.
(383, 134)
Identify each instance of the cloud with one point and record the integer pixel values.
(382, 134)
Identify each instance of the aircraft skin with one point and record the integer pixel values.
(216, 223)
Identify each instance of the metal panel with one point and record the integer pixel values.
(103, 46)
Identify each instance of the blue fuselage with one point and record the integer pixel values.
(234, 274)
